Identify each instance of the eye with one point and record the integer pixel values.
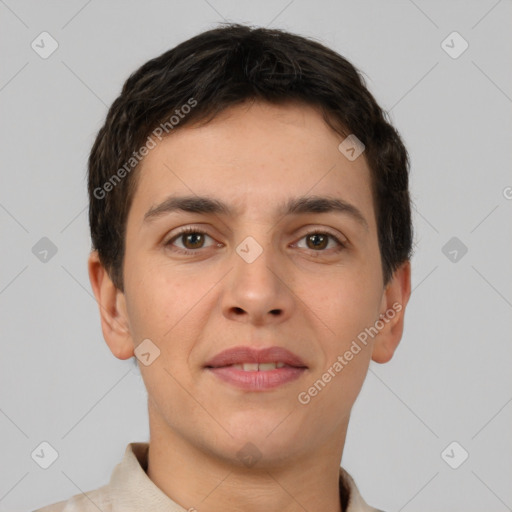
(191, 239)
(319, 240)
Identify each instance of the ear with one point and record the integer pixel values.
(394, 301)
(112, 305)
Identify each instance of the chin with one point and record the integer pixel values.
(269, 437)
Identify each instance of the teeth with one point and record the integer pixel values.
(263, 367)
(254, 367)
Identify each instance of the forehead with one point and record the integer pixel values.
(254, 156)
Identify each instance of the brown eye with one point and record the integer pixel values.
(319, 241)
(189, 241)
(193, 240)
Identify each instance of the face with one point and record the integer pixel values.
(268, 260)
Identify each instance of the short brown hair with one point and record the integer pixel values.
(220, 68)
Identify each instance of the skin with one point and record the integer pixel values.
(312, 301)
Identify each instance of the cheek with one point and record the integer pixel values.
(152, 300)
(156, 287)
(346, 305)
(346, 300)
(147, 316)
(169, 306)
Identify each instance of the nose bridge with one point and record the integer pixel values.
(254, 288)
(253, 261)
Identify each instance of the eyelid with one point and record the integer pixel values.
(185, 230)
(312, 229)
(338, 238)
(341, 242)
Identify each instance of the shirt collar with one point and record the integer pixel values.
(134, 491)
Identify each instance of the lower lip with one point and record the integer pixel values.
(259, 380)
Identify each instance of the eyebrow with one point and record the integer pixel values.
(294, 206)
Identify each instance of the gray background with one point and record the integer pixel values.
(450, 379)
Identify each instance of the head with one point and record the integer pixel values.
(245, 126)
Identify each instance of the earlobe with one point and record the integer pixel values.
(394, 302)
(114, 320)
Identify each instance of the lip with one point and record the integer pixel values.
(256, 380)
(238, 355)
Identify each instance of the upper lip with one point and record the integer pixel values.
(240, 355)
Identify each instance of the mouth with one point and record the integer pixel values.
(256, 367)
(256, 370)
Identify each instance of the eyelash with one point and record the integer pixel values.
(191, 229)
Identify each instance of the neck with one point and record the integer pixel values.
(197, 479)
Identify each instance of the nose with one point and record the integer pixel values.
(257, 290)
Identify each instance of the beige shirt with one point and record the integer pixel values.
(131, 490)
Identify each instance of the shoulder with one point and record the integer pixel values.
(56, 507)
(89, 502)
(354, 500)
